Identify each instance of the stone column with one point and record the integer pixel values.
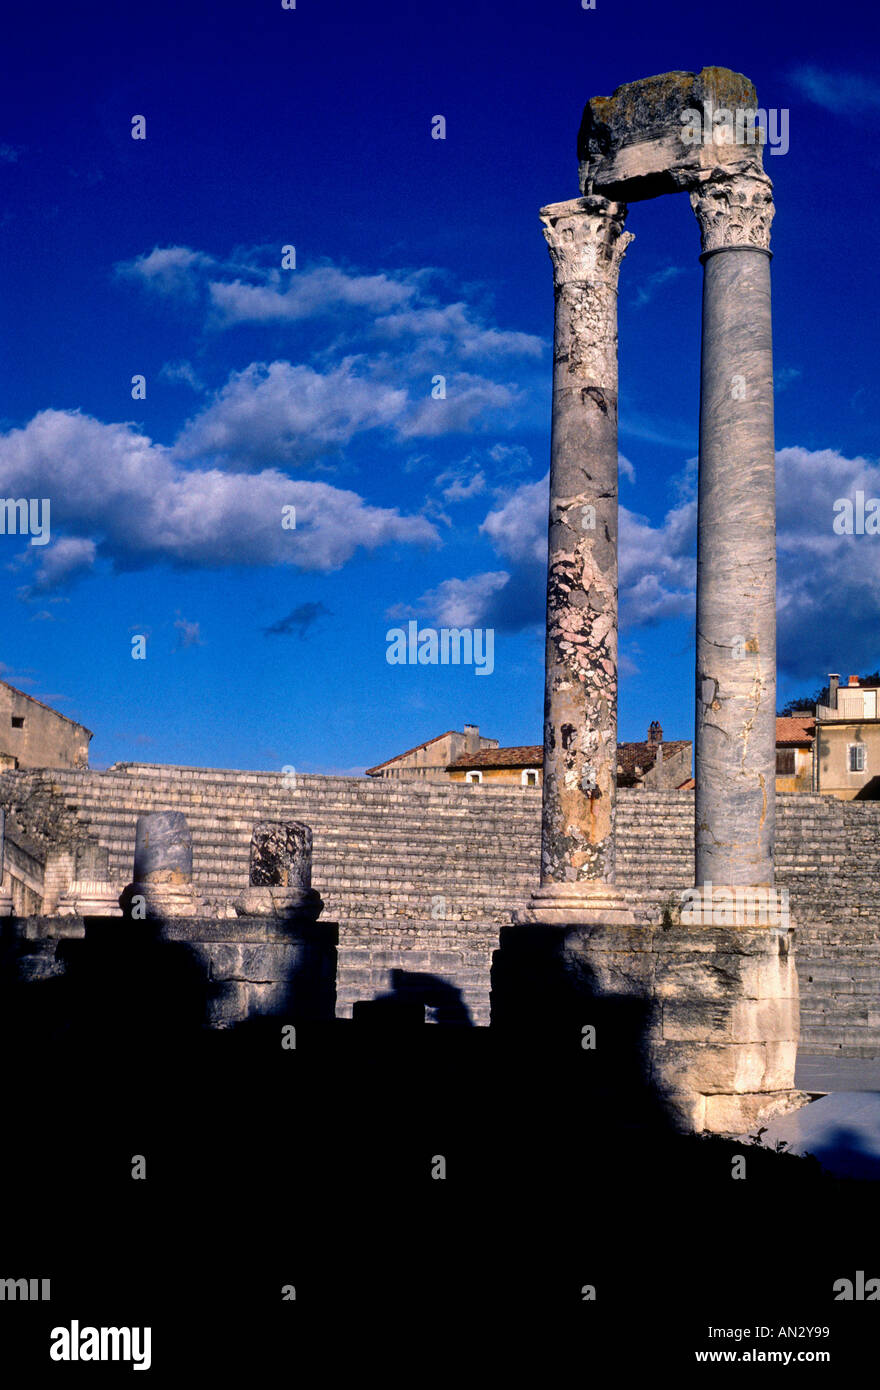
(280, 876)
(735, 758)
(587, 244)
(163, 864)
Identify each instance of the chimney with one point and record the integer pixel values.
(853, 680)
(833, 683)
(472, 738)
(655, 734)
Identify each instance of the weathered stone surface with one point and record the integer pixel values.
(257, 964)
(739, 1114)
(163, 849)
(735, 744)
(720, 1013)
(734, 210)
(587, 243)
(281, 855)
(638, 143)
(284, 904)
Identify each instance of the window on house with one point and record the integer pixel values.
(785, 762)
(474, 777)
(856, 757)
(18, 721)
(530, 777)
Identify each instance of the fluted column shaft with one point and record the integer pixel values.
(735, 754)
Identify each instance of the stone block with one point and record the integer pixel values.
(764, 1020)
(725, 1067)
(229, 1005)
(638, 143)
(258, 963)
(740, 1114)
(695, 1020)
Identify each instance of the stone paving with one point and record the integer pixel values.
(842, 1127)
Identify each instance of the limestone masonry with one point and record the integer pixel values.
(420, 879)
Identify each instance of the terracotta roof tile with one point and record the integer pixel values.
(643, 756)
(525, 755)
(795, 730)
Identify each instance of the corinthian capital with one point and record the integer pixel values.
(734, 209)
(586, 240)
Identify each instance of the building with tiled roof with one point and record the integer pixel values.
(520, 764)
(428, 761)
(794, 751)
(652, 763)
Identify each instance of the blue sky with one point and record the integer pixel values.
(312, 387)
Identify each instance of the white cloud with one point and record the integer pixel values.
(844, 93)
(467, 399)
(457, 602)
(783, 377)
(177, 372)
(284, 414)
(828, 591)
(393, 305)
(457, 487)
(64, 560)
(657, 565)
(188, 634)
(443, 327)
(307, 293)
(518, 529)
(650, 286)
(170, 270)
(510, 458)
(116, 493)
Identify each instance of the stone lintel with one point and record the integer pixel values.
(667, 133)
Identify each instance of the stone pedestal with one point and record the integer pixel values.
(576, 904)
(695, 1025)
(289, 904)
(259, 967)
(90, 898)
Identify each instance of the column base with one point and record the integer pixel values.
(5, 903)
(735, 907)
(90, 898)
(294, 904)
(583, 904)
(166, 899)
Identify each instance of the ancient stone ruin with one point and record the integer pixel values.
(650, 912)
(722, 1027)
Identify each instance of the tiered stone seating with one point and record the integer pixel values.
(421, 876)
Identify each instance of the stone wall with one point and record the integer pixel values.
(34, 735)
(421, 878)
